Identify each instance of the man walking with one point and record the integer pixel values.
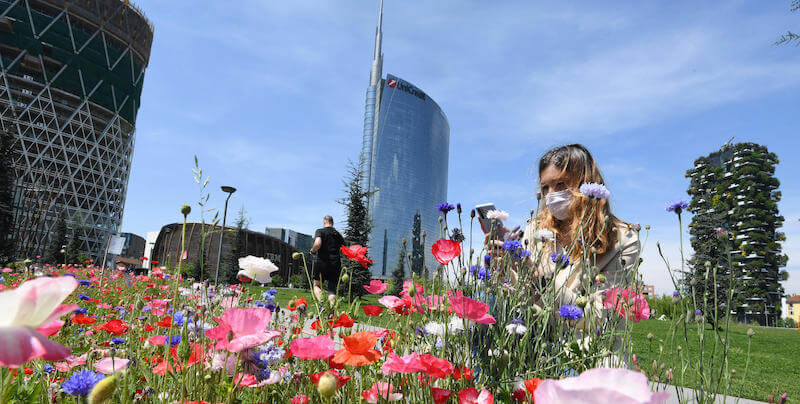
(327, 244)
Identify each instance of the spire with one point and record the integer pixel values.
(377, 60)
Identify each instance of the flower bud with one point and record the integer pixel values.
(750, 332)
(404, 241)
(600, 278)
(472, 213)
(649, 336)
(327, 385)
(647, 227)
(186, 209)
(458, 208)
(345, 277)
(297, 256)
(581, 301)
(103, 390)
(412, 289)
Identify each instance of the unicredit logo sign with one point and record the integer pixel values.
(395, 83)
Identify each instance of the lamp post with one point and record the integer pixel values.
(229, 191)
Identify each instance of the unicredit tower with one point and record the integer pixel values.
(405, 153)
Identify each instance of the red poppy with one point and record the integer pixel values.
(462, 372)
(440, 396)
(316, 325)
(165, 322)
(445, 250)
(115, 327)
(474, 396)
(372, 310)
(519, 395)
(357, 253)
(341, 380)
(436, 367)
(343, 321)
(531, 385)
(81, 319)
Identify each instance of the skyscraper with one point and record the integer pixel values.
(734, 202)
(404, 157)
(72, 74)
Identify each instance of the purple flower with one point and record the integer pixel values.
(698, 312)
(512, 245)
(487, 259)
(570, 312)
(79, 310)
(83, 297)
(445, 207)
(84, 282)
(678, 206)
(594, 190)
(480, 272)
(81, 383)
(560, 260)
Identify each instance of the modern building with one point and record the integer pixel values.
(300, 241)
(149, 243)
(167, 248)
(404, 157)
(133, 247)
(793, 309)
(734, 201)
(70, 88)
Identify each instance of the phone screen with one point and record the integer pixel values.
(486, 223)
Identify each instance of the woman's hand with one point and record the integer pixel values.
(493, 244)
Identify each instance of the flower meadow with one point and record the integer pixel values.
(481, 328)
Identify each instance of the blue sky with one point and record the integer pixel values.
(270, 94)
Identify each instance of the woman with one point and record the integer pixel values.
(581, 229)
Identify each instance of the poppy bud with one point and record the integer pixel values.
(103, 390)
(441, 219)
(581, 301)
(458, 208)
(345, 277)
(412, 289)
(750, 332)
(297, 256)
(472, 213)
(186, 209)
(600, 278)
(404, 241)
(327, 385)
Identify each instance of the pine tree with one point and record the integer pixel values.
(357, 228)
(7, 181)
(58, 242)
(399, 273)
(417, 248)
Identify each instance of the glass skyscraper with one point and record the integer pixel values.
(405, 153)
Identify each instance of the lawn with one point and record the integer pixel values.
(772, 368)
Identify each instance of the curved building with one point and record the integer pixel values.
(404, 157)
(71, 81)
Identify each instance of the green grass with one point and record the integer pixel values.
(772, 368)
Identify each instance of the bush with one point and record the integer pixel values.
(299, 281)
(662, 305)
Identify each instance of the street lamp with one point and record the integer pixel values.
(229, 191)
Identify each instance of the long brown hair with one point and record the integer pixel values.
(581, 168)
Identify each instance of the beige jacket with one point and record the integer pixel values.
(617, 264)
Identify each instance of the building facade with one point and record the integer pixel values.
(300, 241)
(70, 89)
(404, 157)
(133, 247)
(793, 309)
(734, 202)
(167, 248)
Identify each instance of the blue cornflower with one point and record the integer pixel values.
(117, 341)
(81, 383)
(560, 260)
(79, 310)
(487, 260)
(267, 356)
(70, 274)
(269, 296)
(83, 297)
(512, 245)
(678, 206)
(49, 368)
(2, 279)
(480, 272)
(272, 307)
(698, 312)
(178, 318)
(259, 303)
(516, 321)
(84, 282)
(595, 190)
(174, 340)
(570, 311)
(445, 207)
(675, 294)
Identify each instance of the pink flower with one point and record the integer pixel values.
(627, 304)
(381, 390)
(300, 399)
(391, 301)
(470, 309)
(418, 289)
(473, 396)
(402, 364)
(320, 347)
(240, 329)
(445, 250)
(618, 386)
(29, 310)
(109, 365)
(375, 287)
(70, 362)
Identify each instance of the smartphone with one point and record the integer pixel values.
(486, 223)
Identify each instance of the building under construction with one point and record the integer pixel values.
(70, 88)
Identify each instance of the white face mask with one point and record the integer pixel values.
(558, 203)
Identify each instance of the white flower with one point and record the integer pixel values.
(497, 214)
(456, 324)
(544, 235)
(518, 329)
(258, 269)
(435, 328)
